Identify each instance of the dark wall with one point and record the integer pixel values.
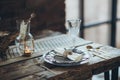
(50, 14)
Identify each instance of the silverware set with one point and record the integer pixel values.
(97, 52)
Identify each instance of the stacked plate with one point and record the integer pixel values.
(73, 58)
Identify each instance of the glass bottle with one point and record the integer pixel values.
(25, 40)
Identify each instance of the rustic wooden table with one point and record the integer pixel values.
(34, 67)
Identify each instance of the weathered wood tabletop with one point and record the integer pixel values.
(34, 67)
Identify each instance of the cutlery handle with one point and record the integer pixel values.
(99, 56)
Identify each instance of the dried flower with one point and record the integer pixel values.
(31, 16)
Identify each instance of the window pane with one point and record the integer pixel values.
(118, 36)
(118, 9)
(97, 11)
(72, 9)
(99, 34)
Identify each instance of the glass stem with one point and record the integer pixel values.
(74, 41)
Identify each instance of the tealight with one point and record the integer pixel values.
(27, 52)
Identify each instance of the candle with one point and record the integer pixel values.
(27, 52)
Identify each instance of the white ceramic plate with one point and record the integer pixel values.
(54, 59)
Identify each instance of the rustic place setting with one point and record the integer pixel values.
(59, 40)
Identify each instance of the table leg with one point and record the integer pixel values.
(115, 74)
(107, 75)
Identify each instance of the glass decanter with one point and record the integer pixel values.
(25, 40)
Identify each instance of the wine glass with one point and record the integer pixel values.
(73, 29)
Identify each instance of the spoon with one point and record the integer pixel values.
(98, 49)
(90, 48)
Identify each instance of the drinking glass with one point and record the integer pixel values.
(73, 29)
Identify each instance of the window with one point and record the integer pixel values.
(99, 20)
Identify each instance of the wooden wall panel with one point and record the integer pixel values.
(50, 14)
